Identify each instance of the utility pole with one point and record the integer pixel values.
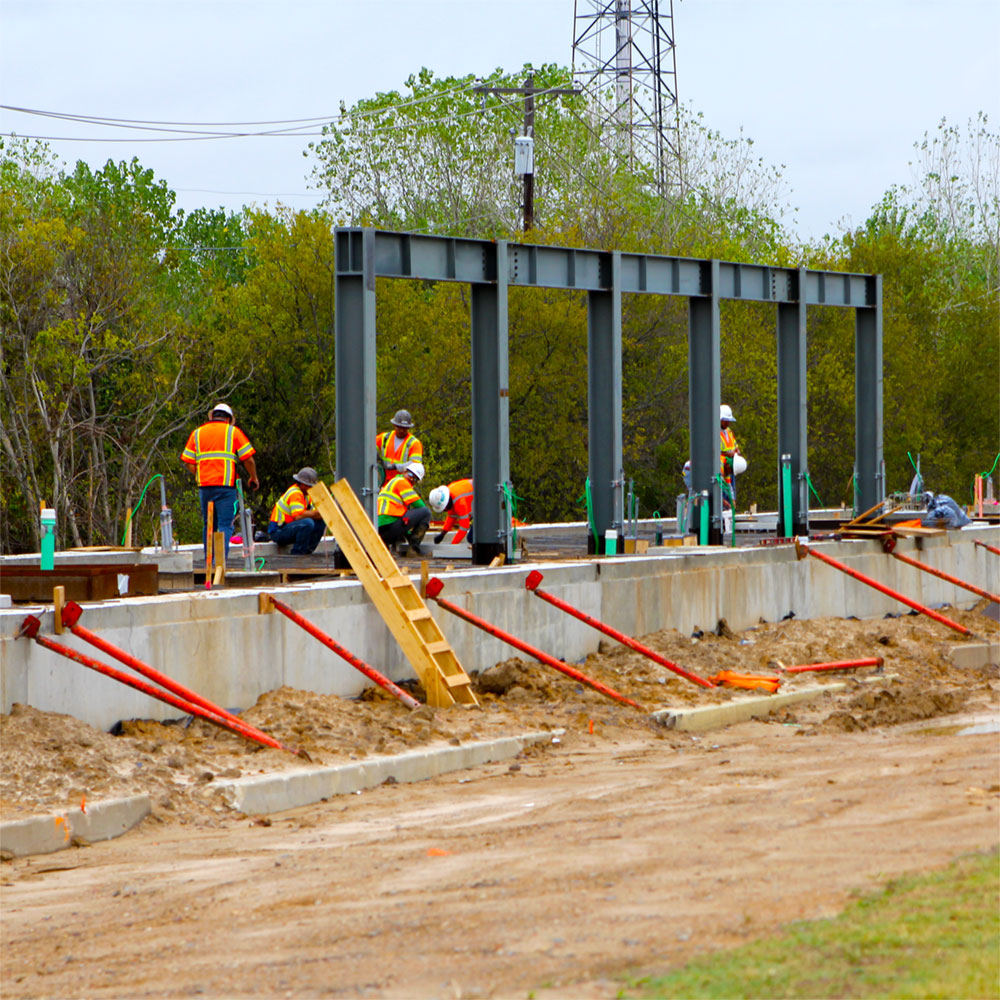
(528, 91)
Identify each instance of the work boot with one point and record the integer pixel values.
(416, 537)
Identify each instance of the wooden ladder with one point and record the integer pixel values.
(391, 591)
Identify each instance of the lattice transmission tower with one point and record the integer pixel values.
(624, 59)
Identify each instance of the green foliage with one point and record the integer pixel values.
(923, 936)
(123, 320)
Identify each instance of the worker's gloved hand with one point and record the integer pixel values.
(439, 538)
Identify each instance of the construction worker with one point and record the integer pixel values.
(214, 449)
(456, 499)
(402, 515)
(729, 450)
(398, 447)
(293, 521)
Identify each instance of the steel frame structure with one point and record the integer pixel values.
(491, 268)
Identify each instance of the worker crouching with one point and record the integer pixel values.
(293, 521)
(456, 500)
(402, 516)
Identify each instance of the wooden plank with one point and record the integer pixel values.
(919, 532)
(59, 602)
(393, 594)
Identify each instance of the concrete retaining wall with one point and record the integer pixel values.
(218, 644)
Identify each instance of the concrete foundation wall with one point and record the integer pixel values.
(218, 644)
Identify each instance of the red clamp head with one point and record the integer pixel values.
(29, 627)
(533, 579)
(71, 613)
(434, 587)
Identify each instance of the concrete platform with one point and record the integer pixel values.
(217, 643)
(697, 720)
(267, 793)
(57, 831)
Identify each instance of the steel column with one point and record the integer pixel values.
(604, 409)
(705, 394)
(354, 295)
(490, 415)
(792, 411)
(869, 466)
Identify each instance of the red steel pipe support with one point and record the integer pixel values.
(434, 587)
(808, 550)
(71, 617)
(989, 548)
(534, 578)
(945, 576)
(871, 661)
(370, 672)
(30, 629)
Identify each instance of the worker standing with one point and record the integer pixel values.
(456, 499)
(214, 449)
(398, 447)
(729, 450)
(402, 515)
(293, 520)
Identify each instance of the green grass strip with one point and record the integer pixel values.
(935, 935)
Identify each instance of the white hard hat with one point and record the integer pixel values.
(417, 468)
(223, 408)
(438, 498)
(739, 465)
(726, 413)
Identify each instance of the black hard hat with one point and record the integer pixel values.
(402, 419)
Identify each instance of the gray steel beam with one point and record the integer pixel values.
(448, 258)
(490, 419)
(705, 395)
(604, 409)
(354, 337)
(792, 412)
(869, 466)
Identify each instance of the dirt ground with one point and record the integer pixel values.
(624, 848)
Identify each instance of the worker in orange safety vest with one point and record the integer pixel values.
(456, 499)
(402, 514)
(293, 520)
(398, 447)
(729, 449)
(213, 449)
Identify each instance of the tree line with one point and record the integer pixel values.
(122, 319)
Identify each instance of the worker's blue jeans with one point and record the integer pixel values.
(224, 500)
(302, 534)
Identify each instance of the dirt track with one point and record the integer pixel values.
(628, 850)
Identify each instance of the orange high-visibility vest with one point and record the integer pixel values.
(460, 509)
(395, 496)
(727, 441)
(395, 452)
(291, 506)
(214, 449)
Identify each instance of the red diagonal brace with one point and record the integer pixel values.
(945, 576)
(71, 618)
(370, 672)
(30, 628)
(804, 550)
(534, 578)
(434, 587)
(989, 548)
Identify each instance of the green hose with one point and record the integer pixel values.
(136, 507)
(512, 499)
(809, 482)
(590, 513)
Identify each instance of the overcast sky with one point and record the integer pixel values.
(837, 91)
